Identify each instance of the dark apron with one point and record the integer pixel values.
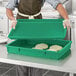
(29, 7)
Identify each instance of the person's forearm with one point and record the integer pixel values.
(9, 14)
(62, 11)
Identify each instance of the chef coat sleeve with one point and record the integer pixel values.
(54, 3)
(12, 4)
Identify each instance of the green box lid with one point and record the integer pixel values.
(38, 28)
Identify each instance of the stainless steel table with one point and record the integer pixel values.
(66, 65)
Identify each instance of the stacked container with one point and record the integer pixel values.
(28, 33)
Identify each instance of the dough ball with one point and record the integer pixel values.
(41, 46)
(52, 50)
(37, 48)
(55, 48)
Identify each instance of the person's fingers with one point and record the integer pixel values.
(11, 26)
(14, 24)
(64, 25)
(68, 26)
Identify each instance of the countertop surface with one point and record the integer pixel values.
(66, 65)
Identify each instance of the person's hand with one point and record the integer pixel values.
(66, 23)
(14, 22)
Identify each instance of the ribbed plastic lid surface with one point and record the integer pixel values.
(38, 28)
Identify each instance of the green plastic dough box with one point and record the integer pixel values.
(28, 33)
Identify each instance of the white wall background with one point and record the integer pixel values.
(74, 5)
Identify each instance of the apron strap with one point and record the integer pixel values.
(29, 16)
